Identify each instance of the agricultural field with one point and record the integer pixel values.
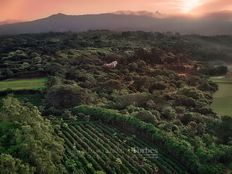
(23, 84)
(94, 147)
(223, 97)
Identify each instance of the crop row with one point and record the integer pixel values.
(93, 147)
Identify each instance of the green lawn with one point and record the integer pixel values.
(223, 97)
(22, 84)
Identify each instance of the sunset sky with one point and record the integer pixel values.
(34, 9)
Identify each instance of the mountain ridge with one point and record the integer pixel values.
(128, 21)
(9, 22)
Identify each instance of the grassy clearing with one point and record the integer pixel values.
(223, 97)
(23, 84)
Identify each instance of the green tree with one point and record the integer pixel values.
(169, 113)
(10, 165)
(147, 117)
(32, 138)
(67, 96)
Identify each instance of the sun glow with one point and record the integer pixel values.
(189, 5)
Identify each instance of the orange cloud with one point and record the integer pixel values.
(209, 6)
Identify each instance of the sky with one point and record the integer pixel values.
(24, 10)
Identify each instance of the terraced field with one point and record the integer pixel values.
(95, 148)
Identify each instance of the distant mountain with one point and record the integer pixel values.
(211, 24)
(222, 15)
(8, 22)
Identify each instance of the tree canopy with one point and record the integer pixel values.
(28, 141)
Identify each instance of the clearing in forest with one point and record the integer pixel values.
(222, 103)
(23, 84)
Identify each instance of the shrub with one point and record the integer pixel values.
(147, 117)
(10, 165)
(136, 99)
(157, 86)
(169, 113)
(67, 96)
(111, 85)
(192, 93)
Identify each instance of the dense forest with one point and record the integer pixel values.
(142, 89)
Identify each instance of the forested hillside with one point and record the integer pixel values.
(98, 95)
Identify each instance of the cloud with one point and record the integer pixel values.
(171, 6)
(210, 6)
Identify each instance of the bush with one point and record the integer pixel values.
(67, 96)
(147, 117)
(169, 113)
(192, 93)
(10, 165)
(157, 86)
(136, 99)
(111, 85)
(208, 86)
